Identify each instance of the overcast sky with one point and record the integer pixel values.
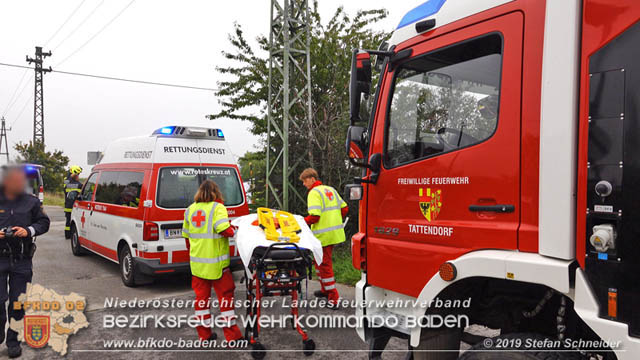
(162, 41)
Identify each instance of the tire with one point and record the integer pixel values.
(76, 248)
(532, 352)
(258, 351)
(443, 339)
(308, 347)
(127, 271)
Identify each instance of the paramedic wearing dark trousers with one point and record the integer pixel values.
(23, 214)
(72, 187)
(326, 212)
(206, 230)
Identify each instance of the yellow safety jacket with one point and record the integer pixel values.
(208, 251)
(324, 201)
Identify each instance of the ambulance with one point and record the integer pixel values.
(131, 207)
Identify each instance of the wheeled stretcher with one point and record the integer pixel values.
(276, 267)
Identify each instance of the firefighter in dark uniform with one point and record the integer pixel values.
(21, 219)
(72, 187)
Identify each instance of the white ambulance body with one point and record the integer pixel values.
(131, 207)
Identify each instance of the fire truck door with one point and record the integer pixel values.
(449, 135)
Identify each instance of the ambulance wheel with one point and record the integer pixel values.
(76, 248)
(258, 351)
(126, 266)
(308, 347)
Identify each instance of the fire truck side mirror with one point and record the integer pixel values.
(360, 82)
(356, 143)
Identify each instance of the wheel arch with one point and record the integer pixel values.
(499, 264)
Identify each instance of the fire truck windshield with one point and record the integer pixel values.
(178, 185)
(444, 100)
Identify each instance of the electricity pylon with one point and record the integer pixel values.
(289, 100)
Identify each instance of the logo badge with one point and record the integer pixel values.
(36, 330)
(198, 219)
(430, 202)
(328, 194)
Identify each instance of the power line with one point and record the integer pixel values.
(21, 111)
(65, 22)
(145, 82)
(11, 101)
(78, 26)
(97, 33)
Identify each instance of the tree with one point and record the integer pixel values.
(244, 95)
(54, 163)
(252, 169)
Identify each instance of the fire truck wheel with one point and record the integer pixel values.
(258, 351)
(126, 266)
(524, 345)
(445, 339)
(76, 249)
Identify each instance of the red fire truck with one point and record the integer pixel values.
(498, 156)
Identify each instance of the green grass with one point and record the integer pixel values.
(343, 269)
(55, 199)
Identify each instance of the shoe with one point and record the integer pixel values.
(320, 294)
(14, 352)
(333, 305)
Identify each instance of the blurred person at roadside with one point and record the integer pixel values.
(21, 220)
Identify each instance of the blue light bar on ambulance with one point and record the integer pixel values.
(425, 10)
(189, 132)
(167, 130)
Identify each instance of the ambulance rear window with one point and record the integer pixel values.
(178, 185)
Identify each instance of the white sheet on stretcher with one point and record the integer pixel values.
(249, 236)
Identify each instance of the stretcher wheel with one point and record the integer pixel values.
(308, 347)
(258, 351)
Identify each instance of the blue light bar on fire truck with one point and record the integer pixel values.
(420, 12)
(189, 132)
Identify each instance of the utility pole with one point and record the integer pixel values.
(289, 100)
(3, 140)
(38, 98)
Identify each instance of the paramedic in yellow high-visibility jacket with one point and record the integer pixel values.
(206, 230)
(326, 211)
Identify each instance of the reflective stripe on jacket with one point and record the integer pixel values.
(69, 187)
(208, 251)
(324, 201)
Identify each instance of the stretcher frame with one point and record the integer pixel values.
(273, 275)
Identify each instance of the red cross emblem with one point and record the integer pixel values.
(83, 219)
(198, 218)
(328, 194)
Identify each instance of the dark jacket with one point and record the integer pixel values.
(71, 191)
(24, 211)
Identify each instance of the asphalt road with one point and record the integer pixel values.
(95, 278)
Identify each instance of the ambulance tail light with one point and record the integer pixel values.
(150, 232)
(358, 251)
(41, 193)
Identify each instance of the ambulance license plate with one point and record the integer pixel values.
(172, 233)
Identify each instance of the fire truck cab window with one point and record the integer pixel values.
(444, 100)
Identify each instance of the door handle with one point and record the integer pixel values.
(500, 208)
